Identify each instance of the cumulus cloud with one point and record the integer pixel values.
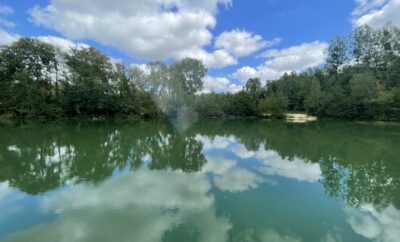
(383, 225)
(376, 12)
(295, 58)
(174, 198)
(217, 142)
(215, 84)
(241, 151)
(246, 72)
(234, 88)
(230, 177)
(363, 6)
(295, 169)
(156, 29)
(7, 38)
(216, 59)
(63, 44)
(242, 43)
(262, 71)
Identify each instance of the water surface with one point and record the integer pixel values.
(215, 181)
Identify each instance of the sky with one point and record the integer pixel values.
(235, 39)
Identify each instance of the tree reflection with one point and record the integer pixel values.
(359, 162)
(37, 158)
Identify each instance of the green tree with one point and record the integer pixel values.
(90, 87)
(188, 74)
(253, 85)
(158, 78)
(312, 100)
(239, 104)
(26, 68)
(364, 88)
(275, 105)
(337, 55)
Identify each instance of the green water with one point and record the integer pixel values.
(214, 181)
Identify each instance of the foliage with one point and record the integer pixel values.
(275, 105)
(361, 80)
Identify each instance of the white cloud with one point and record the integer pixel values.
(215, 84)
(245, 72)
(382, 226)
(363, 6)
(217, 142)
(376, 12)
(229, 177)
(241, 151)
(234, 88)
(218, 165)
(238, 180)
(242, 43)
(216, 59)
(6, 23)
(63, 44)
(176, 187)
(295, 169)
(156, 29)
(7, 38)
(6, 10)
(137, 212)
(295, 58)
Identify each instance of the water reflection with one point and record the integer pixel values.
(117, 210)
(217, 181)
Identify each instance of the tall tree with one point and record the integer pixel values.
(27, 68)
(90, 87)
(253, 85)
(337, 55)
(188, 74)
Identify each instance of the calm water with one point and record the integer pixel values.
(216, 181)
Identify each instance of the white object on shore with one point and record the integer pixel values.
(299, 117)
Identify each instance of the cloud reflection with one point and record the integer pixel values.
(381, 226)
(230, 177)
(139, 206)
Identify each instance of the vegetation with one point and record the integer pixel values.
(361, 80)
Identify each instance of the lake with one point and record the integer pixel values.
(235, 180)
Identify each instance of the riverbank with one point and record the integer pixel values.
(299, 117)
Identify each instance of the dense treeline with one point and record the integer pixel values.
(40, 80)
(361, 80)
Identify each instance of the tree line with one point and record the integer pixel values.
(360, 80)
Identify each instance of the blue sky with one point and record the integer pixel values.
(236, 39)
